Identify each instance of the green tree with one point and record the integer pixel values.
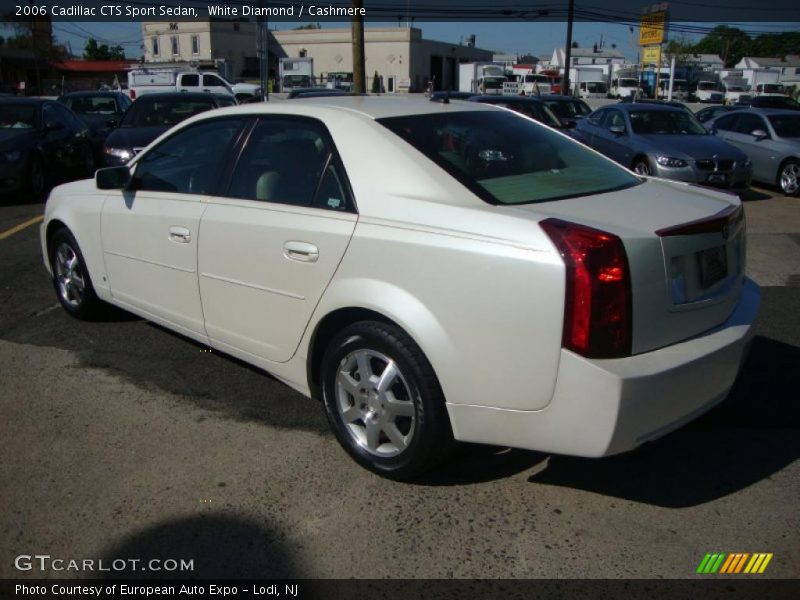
(93, 51)
(730, 43)
(376, 83)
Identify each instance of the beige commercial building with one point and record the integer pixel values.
(401, 56)
(229, 46)
(404, 60)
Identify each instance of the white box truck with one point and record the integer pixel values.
(765, 83)
(481, 78)
(709, 90)
(295, 73)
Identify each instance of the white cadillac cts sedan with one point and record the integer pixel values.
(432, 272)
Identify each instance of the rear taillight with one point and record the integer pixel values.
(597, 308)
(133, 94)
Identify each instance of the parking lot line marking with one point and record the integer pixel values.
(20, 227)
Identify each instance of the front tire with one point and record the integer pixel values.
(71, 278)
(789, 178)
(642, 167)
(37, 179)
(384, 402)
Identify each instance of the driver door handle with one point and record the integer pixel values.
(301, 251)
(180, 235)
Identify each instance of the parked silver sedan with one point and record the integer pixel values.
(665, 141)
(770, 138)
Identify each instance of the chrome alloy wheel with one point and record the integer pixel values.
(375, 403)
(69, 275)
(641, 168)
(790, 178)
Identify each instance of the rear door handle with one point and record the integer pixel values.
(301, 251)
(180, 235)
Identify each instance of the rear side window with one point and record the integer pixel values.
(726, 123)
(505, 159)
(289, 161)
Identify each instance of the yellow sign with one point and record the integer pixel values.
(651, 55)
(651, 28)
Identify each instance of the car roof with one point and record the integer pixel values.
(768, 111)
(631, 106)
(85, 93)
(561, 98)
(504, 99)
(177, 96)
(23, 100)
(374, 107)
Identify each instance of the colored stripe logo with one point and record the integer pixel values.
(734, 563)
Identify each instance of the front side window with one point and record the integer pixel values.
(289, 161)
(726, 123)
(504, 159)
(189, 161)
(747, 124)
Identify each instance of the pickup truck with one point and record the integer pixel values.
(148, 81)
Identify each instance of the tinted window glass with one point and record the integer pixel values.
(189, 161)
(615, 119)
(52, 116)
(212, 80)
(145, 112)
(726, 123)
(749, 123)
(596, 117)
(190, 80)
(786, 125)
(665, 122)
(17, 116)
(92, 105)
(282, 162)
(507, 160)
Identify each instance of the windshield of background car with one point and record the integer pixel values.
(162, 113)
(92, 105)
(773, 88)
(534, 110)
(505, 159)
(17, 116)
(665, 122)
(786, 125)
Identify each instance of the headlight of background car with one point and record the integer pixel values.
(10, 157)
(668, 161)
(121, 153)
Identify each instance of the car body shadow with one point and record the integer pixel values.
(219, 546)
(751, 436)
(752, 194)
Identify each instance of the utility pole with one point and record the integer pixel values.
(357, 25)
(565, 89)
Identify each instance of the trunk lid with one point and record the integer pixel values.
(686, 251)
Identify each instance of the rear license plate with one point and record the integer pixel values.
(717, 178)
(713, 266)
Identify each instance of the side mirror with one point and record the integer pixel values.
(759, 134)
(53, 126)
(112, 178)
(617, 129)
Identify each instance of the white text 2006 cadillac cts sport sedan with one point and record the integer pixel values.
(432, 272)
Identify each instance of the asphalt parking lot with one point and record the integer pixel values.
(122, 440)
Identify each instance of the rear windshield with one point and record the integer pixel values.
(17, 116)
(92, 105)
(569, 109)
(146, 113)
(505, 159)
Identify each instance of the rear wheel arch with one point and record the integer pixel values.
(786, 161)
(327, 329)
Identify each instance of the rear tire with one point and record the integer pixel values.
(71, 279)
(383, 401)
(789, 178)
(37, 179)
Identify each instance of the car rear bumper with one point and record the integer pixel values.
(603, 407)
